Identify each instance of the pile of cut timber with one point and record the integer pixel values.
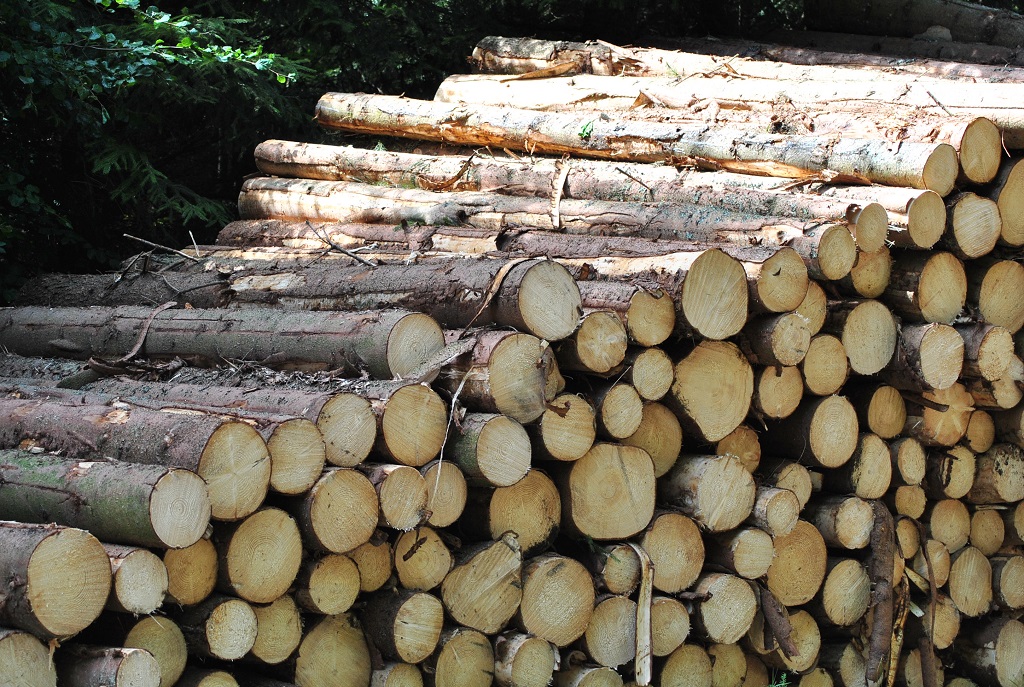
(637, 367)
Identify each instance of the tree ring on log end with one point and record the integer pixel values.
(412, 341)
(549, 301)
(414, 423)
(981, 150)
(869, 337)
(236, 466)
(941, 169)
(68, 580)
(714, 298)
(179, 508)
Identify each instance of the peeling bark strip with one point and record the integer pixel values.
(910, 164)
(386, 343)
(883, 544)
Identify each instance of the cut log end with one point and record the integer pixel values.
(68, 580)
(262, 556)
(411, 343)
(1011, 204)
(837, 252)
(660, 434)
(598, 346)
(926, 219)
(334, 651)
(976, 225)
(446, 492)
(298, 454)
(871, 228)
(179, 508)
(402, 492)
(779, 391)
(25, 660)
(942, 289)
(781, 281)
(713, 387)
(236, 466)
(344, 510)
(941, 170)
(558, 599)
(869, 337)
(726, 616)
(278, 630)
(651, 374)
(846, 593)
(163, 639)
(620, 411)
(981, 150)
(714, 298)
(997, 298)
(825, 367)
(140, 580)
(523, 377)
(798, 569)
(610, 492)
(349, 429)
(414, 424)
(522, 660)
(549, 301)
(191, 572)
(651, 317)
(330, 585)
(832, 437)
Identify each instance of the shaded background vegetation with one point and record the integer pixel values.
(118, 116)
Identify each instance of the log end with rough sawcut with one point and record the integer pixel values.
(714, 298)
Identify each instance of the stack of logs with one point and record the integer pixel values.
(641, 413)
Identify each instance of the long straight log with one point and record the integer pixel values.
(202, 290)
(386, 343)
(917, 165)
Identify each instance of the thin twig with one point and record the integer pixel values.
(620, 170)
(333, 246)
(158, 246)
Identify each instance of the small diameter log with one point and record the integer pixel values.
(191, 572)
(220, 627)
(988, 351)
(660, 434)
(927, 287)
(990, 285)
(910, 670)
(464, 658)
(869, 276)
(822, 431)
(798, 570)
(939, 418)
(712, 389)
(987, 531)
(615, 567)
(973, 225)
(49, 560)
(825, 367)
(917, 218)
(777, 391)
(725, 615)
(676, 549)
(610, 639)
(339, 513)
(522, 660)
(775, 510)
(649, 371)
(422, 560)
(941, 622)
(506, 372)
(386, 343)
(806, 637)
(908, 536)
(777, 284)
(880, 408)
(619, 410)
(164, 640)
(867, 474)
(949, 522)
(845, 595)
(670, 625)
(201, 677)
(743, 444)
(587, 675)
(1008, 581)
(845, 661)
(844, 522)
(598, 345)
(907, 500)
(139, 580)
(970, 581)
(373, 560)
(927, 356)
(558, 599)
(777, 339)
(687, 665)
(609, 493)
(25, 660)
(566, 430)
(80, 665)
(999, 477)
(278, 630)
(813, 307)
(446, 492)
(333, 653)
(648, 314)
(932, 560)
(908, 461)
(716, 491)
(729, 664)
(786, 474)
(491, 450)
(404, 625)
(327, 585)
(260, 556)
(485, 586)
(402, 494)
(867, 330)
(145, 505)
(748, 552)
(531, 508)
(230, 455)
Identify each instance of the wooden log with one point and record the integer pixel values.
(949, 522)
(867, 474)
(777, 340)
(867, 330)
(619, 410)
(908, 500)
(676, 549)
(446, 492)
(80, 665)
(139, 580)
(910, 670)
(775, 510)
(806, 637)
(917, 218)
(422, 560)
(970, 581)
(777, 391)
(988, 351)
(987, 531)
(932, 561)
(649, 315)
(939, 418)
(999, 477)
(870, 275)
(1008, 581)
(825, 368)
(584, 675)
(127, 503)
(786, 474)
(649, 371)
(404, 625)
(940, 622)
(230, 455)
(558, 599)
(950, 474)
(491, 449)
(50, 560)
(844, 522)
(1007, 191)
(522, 659)
(615, 567)
(728, 664)
(927, 356)
(908, 461)
(746, 551)
(201, 677)
(670, 625)
(687, 665)
(660, 435)
(725, 615)
(712, 389)
(927, 287)
(531, 508)
(973, 225)
(333, 652)
(506, 372)
(339, 513)
(798, 570)
(880, 408)
(401, 493)
(484, 589)
(373, 560)
(822, 431)
(221, 627)
(566, 429)
(328, 584)
(164, 640)
(610, 638)
(547, 133)
(845, 594)
(845, 661)
(584, 179)
(25, 660)
(744, 444)
(278, 630)
(716, 491)
(598, 345)
(908, 537)
(259, 557)
(609, 493)
(191, 572)
(463, 658)
(386, 343)
(989, 284)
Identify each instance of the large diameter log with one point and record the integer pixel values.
(609, 493)
(230, 455)
(798, 570)
(126, 503)
(676, 550)
(333, 653)
(716, 491)
(610, 639)
(502, 127)
(531, 508)
(538, 296)
(990, 284)
(484, 589)
(139, 580)
(259, 556)
(584, 179)
(491, 450)
(712, 389)
(339, 513)
(25, 660)
(725, 614)
(49, 560)
(80, 665)
(507, 372)
(822, 431)
(558, 599)
(386, 343)
(404, 626)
